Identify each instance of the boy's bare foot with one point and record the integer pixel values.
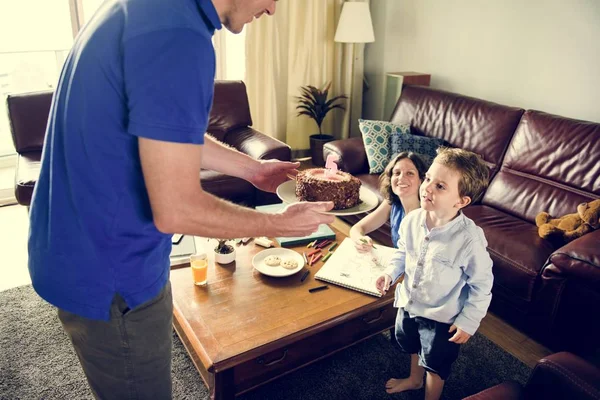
(402, 385)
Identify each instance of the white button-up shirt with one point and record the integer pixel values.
(447, 271)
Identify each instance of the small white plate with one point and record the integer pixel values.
(287, 192)
(278, 271)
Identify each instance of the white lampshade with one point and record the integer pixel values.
(355, 25)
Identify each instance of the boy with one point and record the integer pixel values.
(447, 271)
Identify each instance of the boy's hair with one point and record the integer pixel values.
(385, 179)
(474, 174)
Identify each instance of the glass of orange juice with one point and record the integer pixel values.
(199, 264)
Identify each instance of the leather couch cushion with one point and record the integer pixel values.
(516, 249)
(551, 165)
(351, 153)
(472, 124)
(26, 175)
(228, 187)
(230, 108)
(371, 181)
(258, 145)
(28, 115)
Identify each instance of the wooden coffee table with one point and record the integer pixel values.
(245, 329)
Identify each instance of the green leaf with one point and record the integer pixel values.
(314, 104)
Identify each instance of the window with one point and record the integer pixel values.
(235, 64)
(36, 38)
(230, 50)
(89, 8)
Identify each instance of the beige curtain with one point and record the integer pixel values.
(220, 44)
(295, 48)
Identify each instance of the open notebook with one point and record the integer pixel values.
(358, 271)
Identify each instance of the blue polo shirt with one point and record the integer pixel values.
(139, 68)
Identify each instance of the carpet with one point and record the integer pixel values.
(38, 362)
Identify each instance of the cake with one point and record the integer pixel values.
(341, 187)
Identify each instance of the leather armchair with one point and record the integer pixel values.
(230, 122)
(558, 376)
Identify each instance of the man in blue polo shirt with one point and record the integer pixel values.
(124, 147)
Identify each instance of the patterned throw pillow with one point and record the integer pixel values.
(422, 145)
(376, 137)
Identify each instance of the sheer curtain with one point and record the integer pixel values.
(295, 48)
(230, 55)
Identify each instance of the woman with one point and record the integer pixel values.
(399, 185)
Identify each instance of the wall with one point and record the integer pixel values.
(538, 54)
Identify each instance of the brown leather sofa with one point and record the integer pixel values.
(558, 376)
(538, 162)
(230, 122)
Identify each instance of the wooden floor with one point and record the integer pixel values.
(502, 334)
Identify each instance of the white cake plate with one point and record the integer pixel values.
(287, 193)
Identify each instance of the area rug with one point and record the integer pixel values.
(38, 362)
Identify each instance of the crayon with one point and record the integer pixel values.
(304, 276)
(323, 244)
(316, 258)
(313, 252)
(365, 242)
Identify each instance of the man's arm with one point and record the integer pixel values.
(179, 204)
(220, 157)
(264, 174)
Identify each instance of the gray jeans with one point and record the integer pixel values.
(128, 357)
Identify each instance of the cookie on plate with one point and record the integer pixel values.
(272, 261)
(289, 263)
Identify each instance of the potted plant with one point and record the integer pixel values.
(313, 103)
(224, 252)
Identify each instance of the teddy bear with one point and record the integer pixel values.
(571, 226)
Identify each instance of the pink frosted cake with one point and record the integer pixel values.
(341, 188)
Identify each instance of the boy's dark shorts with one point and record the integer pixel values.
(428, 339)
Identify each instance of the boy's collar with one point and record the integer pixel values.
(459, 217)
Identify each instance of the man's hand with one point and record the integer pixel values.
(271, 173)
(460, 336)
(304, 218)
(383, 283)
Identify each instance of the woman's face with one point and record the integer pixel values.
(405, 179)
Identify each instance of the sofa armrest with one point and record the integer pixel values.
(579, 258)
(351, 152)
(505, 391)
(564, 376)
(258, 145)
(26, 176)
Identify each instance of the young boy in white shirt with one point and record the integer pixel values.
(447, 272)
